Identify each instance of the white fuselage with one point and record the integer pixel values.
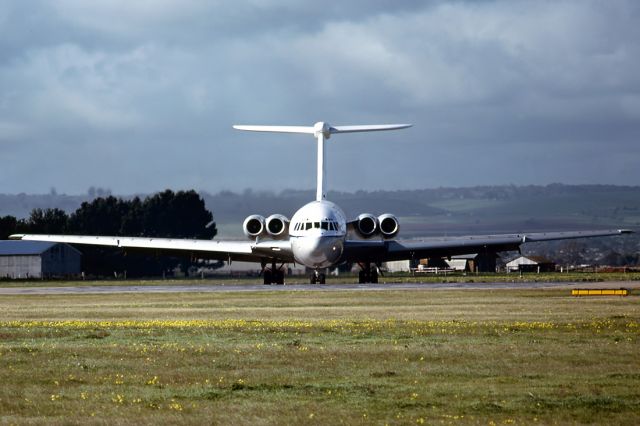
(317, 232)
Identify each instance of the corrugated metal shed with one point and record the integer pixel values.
(38, 259)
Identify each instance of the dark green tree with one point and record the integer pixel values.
(102, 216)
(164, 215)
(47, 221)
(177, 215)
(132, 222)
(8, 225)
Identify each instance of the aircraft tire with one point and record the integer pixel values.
(267, 277)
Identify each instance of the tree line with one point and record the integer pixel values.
(166, 214)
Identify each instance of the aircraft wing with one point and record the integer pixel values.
(382, 251)
(247, 251)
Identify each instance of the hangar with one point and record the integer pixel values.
(531, 264)
(38, 259)
(476, 262)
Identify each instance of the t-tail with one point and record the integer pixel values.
(322, 131)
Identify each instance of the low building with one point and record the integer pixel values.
(38, 259)
(463, 263)
(531, 264)
(398, 266)
(476, 262)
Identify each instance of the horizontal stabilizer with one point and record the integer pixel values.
(321, 127)
(277, 129)
(368, 128)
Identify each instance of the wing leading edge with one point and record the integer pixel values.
(382, 251)
(354, 250)
(206, 249)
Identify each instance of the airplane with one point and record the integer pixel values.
(318, 235)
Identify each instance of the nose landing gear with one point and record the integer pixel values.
(317, 278)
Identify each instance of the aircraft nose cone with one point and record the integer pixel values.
(317, 252)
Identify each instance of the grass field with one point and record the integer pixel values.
(396, 357)
(457, 277)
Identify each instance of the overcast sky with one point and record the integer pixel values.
(139, 96)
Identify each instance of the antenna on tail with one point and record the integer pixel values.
(322, 131)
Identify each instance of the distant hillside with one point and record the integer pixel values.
(438, 211)
(482, 209)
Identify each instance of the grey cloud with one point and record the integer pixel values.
(150, 89)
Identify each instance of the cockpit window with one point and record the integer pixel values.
(327, 225)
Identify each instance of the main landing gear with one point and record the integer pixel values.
(368, 274)
(273, 275)
(318, 278)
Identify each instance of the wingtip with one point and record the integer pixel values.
(16, 236)
(626, 231)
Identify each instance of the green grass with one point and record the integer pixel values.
(573, 277)
(294, 357)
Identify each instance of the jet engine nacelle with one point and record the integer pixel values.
(367, 225)
(254, 226)
(389, 225)
(277, 226)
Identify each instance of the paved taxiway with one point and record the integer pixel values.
(216, 288)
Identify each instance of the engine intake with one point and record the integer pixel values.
(254, 226)
(367, 225)
(277, 226)
(389, 225)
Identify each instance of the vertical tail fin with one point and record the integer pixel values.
(322, 131)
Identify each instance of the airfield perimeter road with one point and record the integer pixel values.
(205, 288)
